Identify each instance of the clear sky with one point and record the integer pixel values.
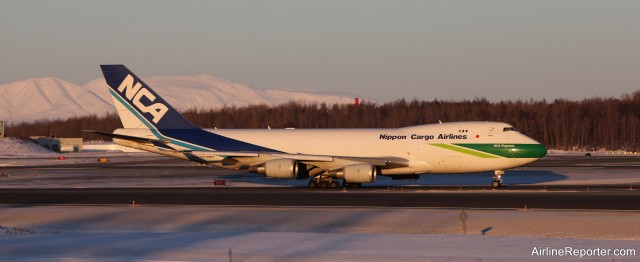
(378, 49)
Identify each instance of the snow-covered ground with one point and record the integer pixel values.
(19, 148)
(179, 233)
(104, 146)
(602, 152)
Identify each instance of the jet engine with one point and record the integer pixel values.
(281, 168)
(358, 173)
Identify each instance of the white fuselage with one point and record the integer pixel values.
(434, 148)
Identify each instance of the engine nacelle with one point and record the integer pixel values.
(281, 168)
(360, 173)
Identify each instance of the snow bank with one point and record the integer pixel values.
(18, 148)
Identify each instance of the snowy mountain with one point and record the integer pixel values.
(50, 98)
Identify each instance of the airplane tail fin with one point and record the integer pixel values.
(137, 104)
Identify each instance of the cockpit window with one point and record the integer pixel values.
(509, 129)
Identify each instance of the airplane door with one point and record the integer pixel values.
(491, 131)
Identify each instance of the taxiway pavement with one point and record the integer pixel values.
(603, 183)
(600, 200)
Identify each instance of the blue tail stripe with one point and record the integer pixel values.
(153, 129)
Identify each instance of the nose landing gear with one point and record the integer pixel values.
(497, 179)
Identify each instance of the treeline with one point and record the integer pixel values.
(610, 124)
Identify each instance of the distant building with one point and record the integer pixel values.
(60, 144)
(2, 129)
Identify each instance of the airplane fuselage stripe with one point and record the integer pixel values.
(193, 139)
(488, 150)
(464, 150)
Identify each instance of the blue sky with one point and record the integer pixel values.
(378, 49)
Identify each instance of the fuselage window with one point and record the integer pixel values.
(509, 129)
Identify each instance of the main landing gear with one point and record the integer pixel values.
(497, 179)
(325, 182)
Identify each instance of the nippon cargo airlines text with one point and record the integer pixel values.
(422, 137)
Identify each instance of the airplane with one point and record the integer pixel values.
(331, 158)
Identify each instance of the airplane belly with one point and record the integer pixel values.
(463, 164)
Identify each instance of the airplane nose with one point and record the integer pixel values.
(539, 150)
(533, 149)
(536, 150)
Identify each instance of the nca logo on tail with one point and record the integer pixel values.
(135, 92)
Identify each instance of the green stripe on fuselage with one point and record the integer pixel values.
(509, 150)
(464, 150)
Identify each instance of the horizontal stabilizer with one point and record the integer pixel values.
(133, 138)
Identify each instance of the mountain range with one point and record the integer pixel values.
(52, 98)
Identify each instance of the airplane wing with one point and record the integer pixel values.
(387, 162)
(383, 162)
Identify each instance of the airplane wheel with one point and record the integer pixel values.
(496, 184)
(312, 184)
(334, 185)
(324, 185)
(351, 185)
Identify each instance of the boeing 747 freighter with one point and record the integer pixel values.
(331, 158)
